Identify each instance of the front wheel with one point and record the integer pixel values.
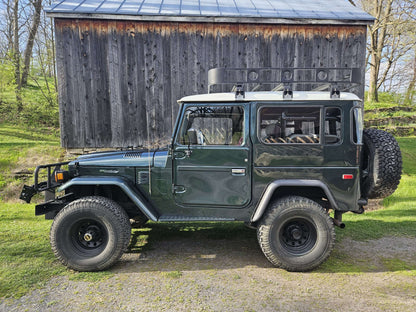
(90, 234)
(296, 234)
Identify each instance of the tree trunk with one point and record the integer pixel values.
(37, 4)
(382, 12)
(372, 95)
(10, 29)
(54, 57)
(16, 55)
(411, 88)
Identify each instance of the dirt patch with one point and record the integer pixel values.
(233, 275)
(374, 204)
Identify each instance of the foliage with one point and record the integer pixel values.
(6, 75)
(386, 99)
(21, 150)
(40, 106)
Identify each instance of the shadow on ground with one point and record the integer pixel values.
(222, 246)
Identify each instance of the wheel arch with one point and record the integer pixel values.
(298, 187)
(117, 183)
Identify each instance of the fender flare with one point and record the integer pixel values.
(131, 192)
(268, 193)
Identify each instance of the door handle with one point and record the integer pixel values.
(182, 154)
(238, 171)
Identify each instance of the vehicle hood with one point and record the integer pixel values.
(133, 158)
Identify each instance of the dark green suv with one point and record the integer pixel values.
(279, 161)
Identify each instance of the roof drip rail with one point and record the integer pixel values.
(276, 77)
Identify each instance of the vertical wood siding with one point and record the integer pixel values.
(119, 80)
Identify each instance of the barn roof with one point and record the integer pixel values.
(228, 11)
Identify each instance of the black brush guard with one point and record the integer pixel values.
(49, 185)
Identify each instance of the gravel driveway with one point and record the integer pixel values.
(233, 275)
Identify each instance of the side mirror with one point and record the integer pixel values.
(192, 136)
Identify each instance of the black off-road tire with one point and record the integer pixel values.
(381, 165)
(90, 234)
(296, 234)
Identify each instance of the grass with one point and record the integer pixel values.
(20, 151)
(26, 259)
(399, 215)
(39, 104)
(386, 100)
(27, 262)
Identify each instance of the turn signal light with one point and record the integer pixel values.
(61, 176)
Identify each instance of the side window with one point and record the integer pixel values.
(333, 121)
(295, 125)
(357, 125)
(212, 125)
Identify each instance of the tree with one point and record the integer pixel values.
(382, 11)
(410, 92)
(390, 40)
(16, 54)
(37, 5)
(6, 27)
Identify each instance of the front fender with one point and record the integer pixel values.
(131, 191)
(268, 193)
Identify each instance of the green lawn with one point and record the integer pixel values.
(21, 150)
(26, 259)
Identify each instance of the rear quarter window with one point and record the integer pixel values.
(289, 125)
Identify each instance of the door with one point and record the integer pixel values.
(211, 157)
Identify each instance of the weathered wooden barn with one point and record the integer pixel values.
(122, 64)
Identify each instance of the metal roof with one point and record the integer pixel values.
(258, 11)
(268, 96)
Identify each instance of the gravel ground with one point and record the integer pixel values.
(233, 275)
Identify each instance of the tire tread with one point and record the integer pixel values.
(263, 232)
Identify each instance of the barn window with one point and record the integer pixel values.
(212, 125)
(293, 125)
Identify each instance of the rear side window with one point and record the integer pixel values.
(357, 125)
(333, 121)
(289, 125)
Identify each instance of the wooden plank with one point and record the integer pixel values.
(119, 80)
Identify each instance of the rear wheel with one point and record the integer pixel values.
(296, 234)
(90, 234)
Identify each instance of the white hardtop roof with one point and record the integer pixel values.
(269, 96)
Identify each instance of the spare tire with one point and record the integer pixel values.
(381, 164)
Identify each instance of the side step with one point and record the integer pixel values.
(190, 219)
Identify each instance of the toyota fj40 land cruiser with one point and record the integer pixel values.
(277, 160)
